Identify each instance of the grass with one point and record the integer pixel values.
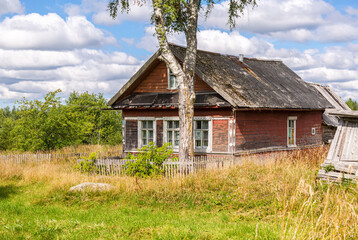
(281, 199)
(86, 148)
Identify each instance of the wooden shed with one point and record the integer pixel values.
(330, 122)
(342, 159)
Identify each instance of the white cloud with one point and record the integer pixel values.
(10, 6)
(291, 20)
(100, 14)
(273, 15)
(50, 32)
(129, 41)
(78, 70)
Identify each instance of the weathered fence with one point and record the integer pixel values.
(116, 167)
(46, 157)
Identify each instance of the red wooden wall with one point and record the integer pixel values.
(263, 129)
(157, 81)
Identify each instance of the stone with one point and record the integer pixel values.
(89, 186)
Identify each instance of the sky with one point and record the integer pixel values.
(74, 45)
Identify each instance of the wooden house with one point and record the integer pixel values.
(242, 105)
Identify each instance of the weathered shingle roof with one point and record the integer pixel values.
(255, 83)
(252, 83)
(335, 101)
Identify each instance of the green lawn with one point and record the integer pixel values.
(35, 212)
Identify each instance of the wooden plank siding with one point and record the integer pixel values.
(157, 81)
(131, 136)
(265, 129)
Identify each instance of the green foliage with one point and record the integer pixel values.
(149, 161)
(92, 125)
(49, 124)
(177, 12)
(87, 165)
(352, 104)
(329, 168)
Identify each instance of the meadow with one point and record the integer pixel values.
(281, 199)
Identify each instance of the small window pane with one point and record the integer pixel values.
(144, 134)
(170, 136)
(144, 141)
(144, 124)
(198, 135)
(205, 143)
(170, 124)
(197, 143)
(205, 124)
(176, 135)
(151, 134)
(172, 81)
(176, 124)
(198, 124)
(205, 135)
(150, 124)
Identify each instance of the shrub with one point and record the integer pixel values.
(329, 168)
(87, 165)
(149, 161)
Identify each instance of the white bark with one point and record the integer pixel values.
(185, 75)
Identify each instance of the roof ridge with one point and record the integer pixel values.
(228, 55)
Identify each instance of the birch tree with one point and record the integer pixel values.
(182, 16)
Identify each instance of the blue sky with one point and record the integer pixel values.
(76, 46)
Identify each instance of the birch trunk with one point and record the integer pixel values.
(184, 74)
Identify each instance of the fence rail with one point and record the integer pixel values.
(48, 157)
(116, 167)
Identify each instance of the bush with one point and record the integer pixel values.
(149, 161)
(87, 165)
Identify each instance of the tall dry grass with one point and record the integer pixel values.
(281, 189)
(85, 148)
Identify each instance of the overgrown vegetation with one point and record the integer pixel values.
(281, 199)
(148, 162)
(35, 125)
(87, 164)
(352, 104)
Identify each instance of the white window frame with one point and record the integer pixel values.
(291, 118)
(140, 119)
(165, 130)
(169, 73)
(198, 150)
(210, 129)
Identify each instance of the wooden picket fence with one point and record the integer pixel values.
(116, 167)
(47, 157)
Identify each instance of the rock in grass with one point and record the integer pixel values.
(88, 186)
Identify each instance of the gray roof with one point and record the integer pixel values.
(252, 83)
(335, 101)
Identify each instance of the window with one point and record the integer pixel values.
(313, 131)
(146, 132)
(201, 134)
(172, 83)
(173, 133)
(291, 131)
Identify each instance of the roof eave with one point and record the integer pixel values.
(134, 78)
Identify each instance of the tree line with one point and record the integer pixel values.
(34, 125)
(352, 104)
